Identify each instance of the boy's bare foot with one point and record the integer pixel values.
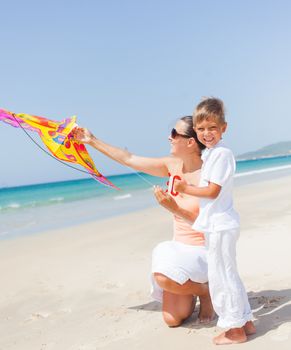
(250, 328)
(232, 336)
(206, 312)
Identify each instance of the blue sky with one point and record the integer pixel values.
(128, 69)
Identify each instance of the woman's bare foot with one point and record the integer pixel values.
(250, 328)
(232, 336)
(206, 312)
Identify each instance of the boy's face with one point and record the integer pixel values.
(209, 132)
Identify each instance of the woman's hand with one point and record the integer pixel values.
(170, 204)
(165, 200)
(82, 135)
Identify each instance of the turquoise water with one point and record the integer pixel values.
(67, 191)
(253, 165)
(34, 208)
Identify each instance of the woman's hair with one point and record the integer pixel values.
(188, 120)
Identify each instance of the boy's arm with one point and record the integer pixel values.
(222, 169)
(170, 204)
(211, 191)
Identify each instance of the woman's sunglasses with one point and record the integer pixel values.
(174, 134)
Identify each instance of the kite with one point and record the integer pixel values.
(58, 138)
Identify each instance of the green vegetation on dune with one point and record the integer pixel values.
(275, 149)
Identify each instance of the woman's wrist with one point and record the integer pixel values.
(92, 140)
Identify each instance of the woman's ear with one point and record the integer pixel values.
(191, 141)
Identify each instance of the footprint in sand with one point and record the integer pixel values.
(282, 333)
(47, 346)
(37, 316)
(109, 286)
(87, 347)
(266, 302)
(65, 311)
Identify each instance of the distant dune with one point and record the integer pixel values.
(275, 149)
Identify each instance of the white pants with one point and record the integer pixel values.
(227, 292)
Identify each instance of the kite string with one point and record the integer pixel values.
(68, 165)
(142, 177)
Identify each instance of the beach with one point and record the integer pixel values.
(87, 286)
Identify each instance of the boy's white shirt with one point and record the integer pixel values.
(217, 214)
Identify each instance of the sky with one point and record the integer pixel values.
(128, 69)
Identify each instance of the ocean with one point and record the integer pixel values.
(36, 208)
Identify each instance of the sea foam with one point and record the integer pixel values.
(260, 171)
(125, 196)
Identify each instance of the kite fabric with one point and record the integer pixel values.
(57, 136)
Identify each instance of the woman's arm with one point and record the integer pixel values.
(152, 166)
(170, 204)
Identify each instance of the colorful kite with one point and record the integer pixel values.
(57, 136)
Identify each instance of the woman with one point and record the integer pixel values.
(179, 267)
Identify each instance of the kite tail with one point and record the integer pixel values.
(101, 179)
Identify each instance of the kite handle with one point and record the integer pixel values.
(171, 183)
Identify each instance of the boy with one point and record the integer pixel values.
(220, 222)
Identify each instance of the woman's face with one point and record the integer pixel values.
(182, 145)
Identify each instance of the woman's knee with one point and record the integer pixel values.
(177, 308)
(172, 320)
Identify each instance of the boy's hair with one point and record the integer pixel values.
(209, 108)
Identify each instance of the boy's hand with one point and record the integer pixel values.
(179, 186)
(165, 199)
(82, 135)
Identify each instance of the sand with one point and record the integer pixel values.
(87, 287)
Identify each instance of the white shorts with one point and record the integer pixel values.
(179, 262)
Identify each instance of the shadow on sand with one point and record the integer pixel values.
(271, 309)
